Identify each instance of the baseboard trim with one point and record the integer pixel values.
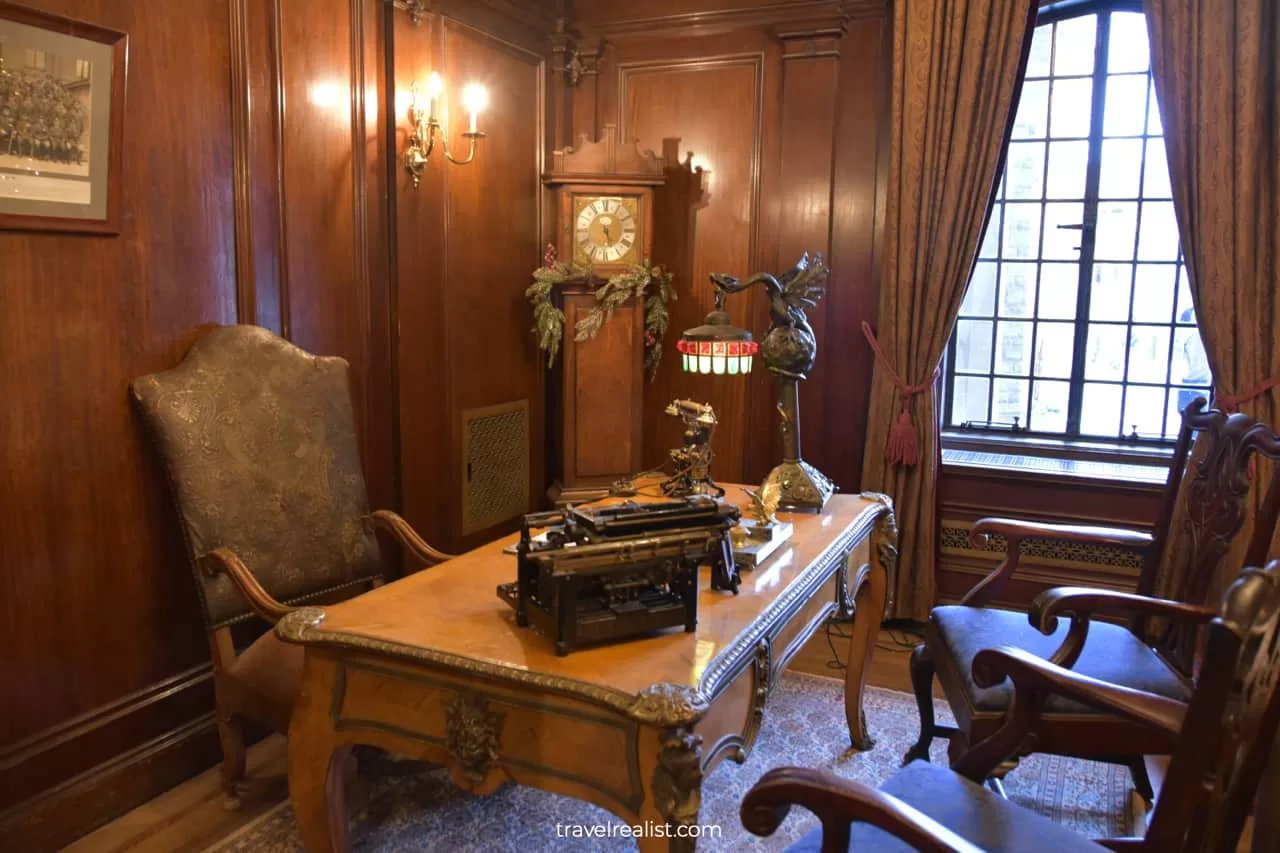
(56, 817)
(54, 736)
(50, 758)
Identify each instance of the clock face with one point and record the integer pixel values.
(606, 229)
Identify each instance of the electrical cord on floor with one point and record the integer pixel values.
(899, 640)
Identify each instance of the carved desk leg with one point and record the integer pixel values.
(317, 761)
(675, 790)
(871, 589)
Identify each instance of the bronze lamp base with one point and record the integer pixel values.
(802, 488)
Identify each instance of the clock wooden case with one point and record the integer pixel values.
(603, 215)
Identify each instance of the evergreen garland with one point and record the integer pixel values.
(647, 282)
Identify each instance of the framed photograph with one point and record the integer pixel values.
(61, 122)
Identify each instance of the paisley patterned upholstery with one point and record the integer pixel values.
(258, 439)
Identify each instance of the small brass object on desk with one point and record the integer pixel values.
(758, 537)
(693, 458)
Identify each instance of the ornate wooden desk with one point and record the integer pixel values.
(433, 666)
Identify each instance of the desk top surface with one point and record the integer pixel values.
(453, 610)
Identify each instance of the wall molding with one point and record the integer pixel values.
(816, 42)
(28, 748)
(793, 14)
(531, 24)
(241, 159)
(282, 196)
(75, 806)
(535, 14)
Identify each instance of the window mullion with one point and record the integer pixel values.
(1088, 231)
(949, 387)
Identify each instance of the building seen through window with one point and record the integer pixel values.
(1078, 319)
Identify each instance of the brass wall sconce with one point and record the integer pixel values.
(788, 350)
(427, 126)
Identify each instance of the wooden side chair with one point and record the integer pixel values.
(1138, 654)
(258, 440)
(1222, 738)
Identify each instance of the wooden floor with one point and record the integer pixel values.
(190, 817)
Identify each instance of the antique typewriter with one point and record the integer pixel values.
(613, 572)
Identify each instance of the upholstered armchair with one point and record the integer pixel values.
(257, 438)
(1151, 650)
(1222, 739)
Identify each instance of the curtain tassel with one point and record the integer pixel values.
(904, 442)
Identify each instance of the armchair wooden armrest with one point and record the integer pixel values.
(225, 561)
(1082, 602)
(1015, 530)
(1034, 679)
(403, 532)
(839, 803)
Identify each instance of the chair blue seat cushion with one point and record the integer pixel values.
(1111, 653)
(971, 811)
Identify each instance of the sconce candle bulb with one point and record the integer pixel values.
(435, 86)
(475, 98)
(426, 125)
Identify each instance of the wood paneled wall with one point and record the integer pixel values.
(261, 185)
(785, 106)
(467, 239)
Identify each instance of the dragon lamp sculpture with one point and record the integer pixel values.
(788, 349)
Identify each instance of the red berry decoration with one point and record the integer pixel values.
(549, 260)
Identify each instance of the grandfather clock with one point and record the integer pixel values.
(604, 200)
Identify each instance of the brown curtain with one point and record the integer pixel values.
(957, 72)
(1215, 66)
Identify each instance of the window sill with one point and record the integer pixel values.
(1046, 457)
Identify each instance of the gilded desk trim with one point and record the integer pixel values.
(886, 544)
(630, 799)
(730, 661)
(665, 705)
(662, 702)
(810, 628)
(738, 746)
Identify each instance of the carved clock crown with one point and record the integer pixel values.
(606, 159)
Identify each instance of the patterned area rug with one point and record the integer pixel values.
(414, 807)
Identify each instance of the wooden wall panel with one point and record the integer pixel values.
(422, 351)
(660, 99)
(857, 220)
(810, 73)
(786, 105)
(467, 240)
(329, 207)
(96, 601)
(494, 215)
(234, 211)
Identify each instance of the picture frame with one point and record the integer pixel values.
(62, 101)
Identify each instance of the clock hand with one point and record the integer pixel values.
(607, 236)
